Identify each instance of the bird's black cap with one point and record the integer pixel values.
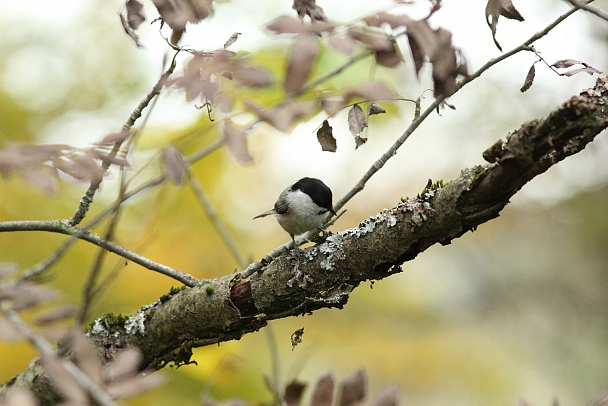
(318, 191)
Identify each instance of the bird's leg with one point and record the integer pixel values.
(297, 249)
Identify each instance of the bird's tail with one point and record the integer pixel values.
(266, 213)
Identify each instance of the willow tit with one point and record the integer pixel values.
(302, 207)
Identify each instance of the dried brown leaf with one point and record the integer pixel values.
(374, 108)
(290, 25)
(359, 141)
(566, 63)
(417, 54)
(129, 31)
(296, 336)
(394, 21)
(8, 332)
(353, 390)
(388, 396)
(332, 105)
(177, 13)
(529, 79)
(497, 8)
(390, 58)
(371, 91)
(44, 178)
(174, 165)
(253, 76)
(445, 64)
(236, 142)
(293, 393)
(135, 385)
(356, 120)
(343, 44)
(19, 397)
(309, 8)
(62, 380)
(56, 314)
(589, 70)
(373, 39)
(80, 166)
(328, 143)
(135, 14)
(302, 56)
(8, 269)
(323, 393)
(86, 356)
(232, 39)
(25, 295)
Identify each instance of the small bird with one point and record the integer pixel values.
(302, 207)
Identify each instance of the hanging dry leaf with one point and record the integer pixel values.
(326, 138)
(371, 91)
(293, 393)
(359, 141)
(290, 25)
(497, 8)
(126, 363)
(86, 355)
(135, 14)
(62, 380)
(177, 13)
(129, 31)
(237, 143)
(253, 76)
(56, 314)
(332, 105)
(302, 56)
(356, 120)
(309, 8)
(529, 79)
(394, 21)
(566, 63)
(390, 58)
(232, 39)
(343, 44)
(323, 393)
(44, 178)
(354, 389)
(19, 397)
(374, 108)
(373, 39)
(174, 165)
(388, 396)
(135, 385)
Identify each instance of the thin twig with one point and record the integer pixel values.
(222, 230)
(46, 349)
(593, 10)
(56, 226)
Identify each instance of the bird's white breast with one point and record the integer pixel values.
(302, 215)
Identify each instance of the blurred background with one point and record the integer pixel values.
(515, 311)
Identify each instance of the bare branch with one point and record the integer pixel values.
(593, 10)
(57, 226)
(222, 230)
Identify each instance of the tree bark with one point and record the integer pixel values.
(226, 308)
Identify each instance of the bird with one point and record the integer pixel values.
(302, 207)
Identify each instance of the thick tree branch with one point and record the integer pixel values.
(226, 308)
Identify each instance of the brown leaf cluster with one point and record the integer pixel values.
(206, 74)
(177, 13)
(40, 165)
(309, 8)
